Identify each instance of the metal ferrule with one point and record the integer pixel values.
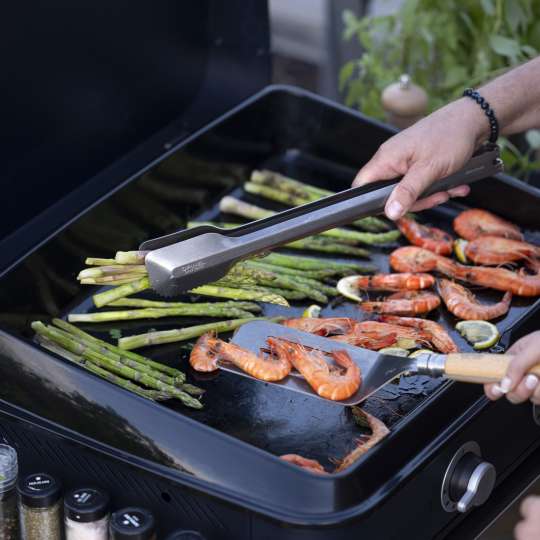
(431, 364)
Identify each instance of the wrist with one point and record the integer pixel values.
(473, 118)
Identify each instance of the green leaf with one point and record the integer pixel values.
(351, 24)
(515, 15)
(505, 46)
(533, 138)
(456, 75)
(488, 6)
(529, 51)
(345, 74)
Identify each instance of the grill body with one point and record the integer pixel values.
(218, 472)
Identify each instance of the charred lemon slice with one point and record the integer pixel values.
(459, 250)
(348, 288)
(312, 311)
(414, 354)
(480, 334)
(394, 351)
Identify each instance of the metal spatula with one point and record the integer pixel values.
(377, 369)
(186, 259)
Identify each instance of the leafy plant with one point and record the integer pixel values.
(445, 46)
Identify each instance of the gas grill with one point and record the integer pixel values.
(217, 470)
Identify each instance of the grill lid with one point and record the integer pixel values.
(90, 81)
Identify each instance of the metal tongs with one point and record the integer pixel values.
(186, 259)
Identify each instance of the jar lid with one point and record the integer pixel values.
(86, 504)
(39, 490)
(8, 467)
(185, 535)
(132, 524)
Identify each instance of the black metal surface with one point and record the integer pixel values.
(311, 140)
(89, 83)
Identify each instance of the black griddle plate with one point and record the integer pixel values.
(271, 418)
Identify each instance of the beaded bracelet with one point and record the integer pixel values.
(490, 113)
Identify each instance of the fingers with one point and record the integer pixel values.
(440, 198)
(492, 391)
(530, 506)
(529, 527)
(379, 167)
(522, 362)
(524, 390)
(405, 194)
(430, 202)
(460, 191)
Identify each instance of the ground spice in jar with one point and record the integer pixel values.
(86, 514)
(40, 507)
(132, 524)
(9, 516)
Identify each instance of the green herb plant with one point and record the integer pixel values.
(445, 46)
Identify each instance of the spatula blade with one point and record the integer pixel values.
(376, 369)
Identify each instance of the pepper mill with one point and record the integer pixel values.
(404, 102)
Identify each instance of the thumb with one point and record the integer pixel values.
(523, 361)
(409, 189)
(377, 168)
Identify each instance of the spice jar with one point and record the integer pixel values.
(132, 524)
(185, 535)
(9, 519)
(40, 507)
(86, 514)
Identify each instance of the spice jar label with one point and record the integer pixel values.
(39, 482)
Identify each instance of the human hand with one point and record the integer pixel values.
(529, 527)
(432, 148)
(518, 386)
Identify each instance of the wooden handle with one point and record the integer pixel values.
(480, 368)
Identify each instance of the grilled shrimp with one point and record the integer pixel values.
(519, 283)
(415, 259)
(209, 351)
(431, 238)
(202, 357)
(368, 340)
(376, 335)
(435, 333)
(328, 381)
(395, 282)
(462, 303)
(322, 327)
(495, 250)
(308, 464)
(378, 432)
(404, 303)
(475, 222)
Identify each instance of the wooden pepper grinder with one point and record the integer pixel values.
(404, 102)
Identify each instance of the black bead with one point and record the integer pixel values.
(490, 113)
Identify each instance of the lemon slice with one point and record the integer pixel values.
(459, 250)
(405, 343)
(481, 334)
(414, 354)
(347, 287)
(312, 311)
(394, 351)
